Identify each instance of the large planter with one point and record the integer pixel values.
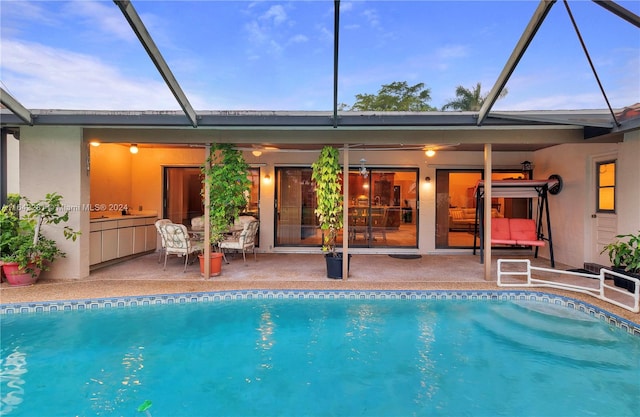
(17, 277)
(215, 264)
(624, 283)
(334, 265)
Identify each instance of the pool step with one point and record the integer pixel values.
(579, 339)
(558, 321)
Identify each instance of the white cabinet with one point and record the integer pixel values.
(125, 241)
(95, 247)
(121, 237)
(151, 237)
(109, 244)
(139, 239)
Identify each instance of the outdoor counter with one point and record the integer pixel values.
(113, 237)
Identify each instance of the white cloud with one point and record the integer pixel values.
(45, 77)
(372, 17)
(452, 51)
(275, 14)
(102, 16)
(298, 39)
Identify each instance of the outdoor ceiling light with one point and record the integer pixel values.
(133, 148)
(363, 169)
(256, 153)
(429, 152)
(94, 143)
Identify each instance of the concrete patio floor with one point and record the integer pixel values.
(145, 275)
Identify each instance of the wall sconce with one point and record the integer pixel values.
(427, 179)
(429, 152)
(133, 148)
(267, 179)
(363, 169)
(526, 166)
(427, 182)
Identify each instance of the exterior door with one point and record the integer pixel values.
(604, 222)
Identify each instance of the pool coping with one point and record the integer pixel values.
(249, 294)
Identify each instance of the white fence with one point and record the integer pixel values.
(600, 288)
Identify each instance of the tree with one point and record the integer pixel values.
(469, 99)
(397, 96)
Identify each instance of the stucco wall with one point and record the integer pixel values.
(54, 159)
(628, 198)
(571, 209)
(13, 165)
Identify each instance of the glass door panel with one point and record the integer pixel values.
(182, 198)
(456, 205)
(182, 195)
(296, 223)
(382, 208)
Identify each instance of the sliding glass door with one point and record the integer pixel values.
(382, 208)
(182, 194)
(456, 225)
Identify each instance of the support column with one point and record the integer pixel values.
(207, 223)
(345, 214)
(487, 212)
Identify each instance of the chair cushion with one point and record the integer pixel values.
(241, 220)
(500, 233)
(523, 230)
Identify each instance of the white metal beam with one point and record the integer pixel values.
(620, 11)
(527, 36)
(16, 107)
(154, 53)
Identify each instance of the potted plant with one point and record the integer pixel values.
(625, 258)
(327, 175)
(226, 175)
(24, 250)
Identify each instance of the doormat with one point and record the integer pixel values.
(405, 256)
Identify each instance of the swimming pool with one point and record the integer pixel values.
(319, 353)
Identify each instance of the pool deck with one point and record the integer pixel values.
(145, 276)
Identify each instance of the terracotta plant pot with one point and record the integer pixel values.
(17, 277)
(215, 264)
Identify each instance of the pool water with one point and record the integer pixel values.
(319, 358)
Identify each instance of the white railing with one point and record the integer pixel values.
(597, 291)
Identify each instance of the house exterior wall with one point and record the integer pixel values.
(571, 211)
(54, 159)
(628, 197)
(13, 165)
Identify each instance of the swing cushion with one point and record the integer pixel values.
(523, 231)
(500, 233)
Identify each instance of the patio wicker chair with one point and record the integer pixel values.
(243, 241)
(178, 243)
(159, 225)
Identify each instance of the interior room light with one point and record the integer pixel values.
(429, 152)
(94, 143)
(133, 149)
(256, 153)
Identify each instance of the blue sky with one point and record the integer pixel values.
(273, 55)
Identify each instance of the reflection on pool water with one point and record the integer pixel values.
(345, 357)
